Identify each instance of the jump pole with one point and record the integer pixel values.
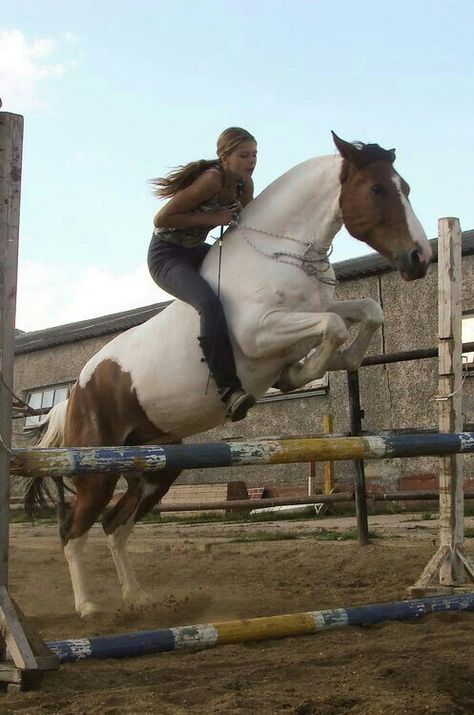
(450, 562)
(27, 650)
(207, 635)
(86, 460)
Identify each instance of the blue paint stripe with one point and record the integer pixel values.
(165, 640)
(118, 646)
(196, 456)
(413, 445)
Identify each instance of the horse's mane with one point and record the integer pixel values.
(368, 153)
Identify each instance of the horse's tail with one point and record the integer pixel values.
(38, 493)
(53, 436)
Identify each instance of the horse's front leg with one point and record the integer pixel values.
(368, 314)
(94, 491)
(281, 332)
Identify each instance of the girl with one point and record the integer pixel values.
(203, 195)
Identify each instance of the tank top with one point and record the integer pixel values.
(195, 235)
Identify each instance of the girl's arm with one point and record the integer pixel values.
(247, 196)
(178, 211)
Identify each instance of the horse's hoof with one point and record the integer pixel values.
(87, 609)
(284, 382)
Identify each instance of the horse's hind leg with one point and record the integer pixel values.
(94, 491)
(140, 497)
(118, 524)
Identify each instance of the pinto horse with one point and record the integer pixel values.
(149, 384)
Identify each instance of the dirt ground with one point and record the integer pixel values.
(206, 573)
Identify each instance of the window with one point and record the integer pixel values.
(43, 398)
(468, 337)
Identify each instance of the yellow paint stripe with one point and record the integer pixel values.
(262, 628)
(319, 449)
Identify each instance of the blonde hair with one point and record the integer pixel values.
(182, 176)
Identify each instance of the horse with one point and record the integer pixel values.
(277, 286)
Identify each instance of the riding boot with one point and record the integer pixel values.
(219, 356)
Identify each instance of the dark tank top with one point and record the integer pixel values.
(195, 235)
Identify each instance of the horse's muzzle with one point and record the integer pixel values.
(412, 265)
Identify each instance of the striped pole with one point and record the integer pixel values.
(79, 460)
(208, 635)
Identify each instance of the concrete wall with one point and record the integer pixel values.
(393, 396)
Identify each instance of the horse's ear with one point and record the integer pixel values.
(346, 149)
(393, 155)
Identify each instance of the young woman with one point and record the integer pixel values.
(203, 195)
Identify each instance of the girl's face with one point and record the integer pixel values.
(241, 162)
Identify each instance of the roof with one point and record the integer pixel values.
(351, 269)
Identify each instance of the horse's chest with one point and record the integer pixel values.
(305, 298)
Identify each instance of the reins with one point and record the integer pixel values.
(219, 266)
(313, 261)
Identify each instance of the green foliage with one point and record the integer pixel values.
(265, 536)
(322, 534)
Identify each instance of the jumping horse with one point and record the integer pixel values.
(150, 385)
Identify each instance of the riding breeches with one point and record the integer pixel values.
(176, 270)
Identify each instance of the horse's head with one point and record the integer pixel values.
(376, 210)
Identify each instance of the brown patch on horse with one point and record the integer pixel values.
(106, 412)
(374, 204)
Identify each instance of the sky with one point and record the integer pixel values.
(115, 92)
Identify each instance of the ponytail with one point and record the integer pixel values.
(181, 177)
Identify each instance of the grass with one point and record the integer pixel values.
(334, 535)
(264, 536)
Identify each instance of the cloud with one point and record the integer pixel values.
(51, 295)
(24, 66)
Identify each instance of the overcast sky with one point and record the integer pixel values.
(116, 92)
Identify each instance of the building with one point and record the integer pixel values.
(394, 397)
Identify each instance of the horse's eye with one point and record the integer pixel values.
(377, 189)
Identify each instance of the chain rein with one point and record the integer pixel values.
(313, 262)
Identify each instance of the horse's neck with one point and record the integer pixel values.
(303, 203)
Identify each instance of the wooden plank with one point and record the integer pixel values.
(13, 634)
(450, 395)
(432, 568)
(328, 467)
(11, 143)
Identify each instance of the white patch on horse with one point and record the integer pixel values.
(415, 228)
(73, 553)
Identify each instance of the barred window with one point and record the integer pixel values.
(43, 398)
(468, 337)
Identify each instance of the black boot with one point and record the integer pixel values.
(220, 358)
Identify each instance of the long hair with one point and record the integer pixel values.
(182, 176)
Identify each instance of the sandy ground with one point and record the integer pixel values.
(204, 573)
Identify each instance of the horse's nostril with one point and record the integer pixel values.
(415, 257)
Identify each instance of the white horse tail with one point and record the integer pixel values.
(55, 421)
(38, 494)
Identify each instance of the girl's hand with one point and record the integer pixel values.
(220, 218)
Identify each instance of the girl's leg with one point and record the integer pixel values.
(177, 273)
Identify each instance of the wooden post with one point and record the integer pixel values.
(13, 630)
(356, 415)
(450, 562)
(328, 467)
(451, 502)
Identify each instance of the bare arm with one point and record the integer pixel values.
(178, 212)
(247, 196)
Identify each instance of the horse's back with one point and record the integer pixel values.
(163, 361)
